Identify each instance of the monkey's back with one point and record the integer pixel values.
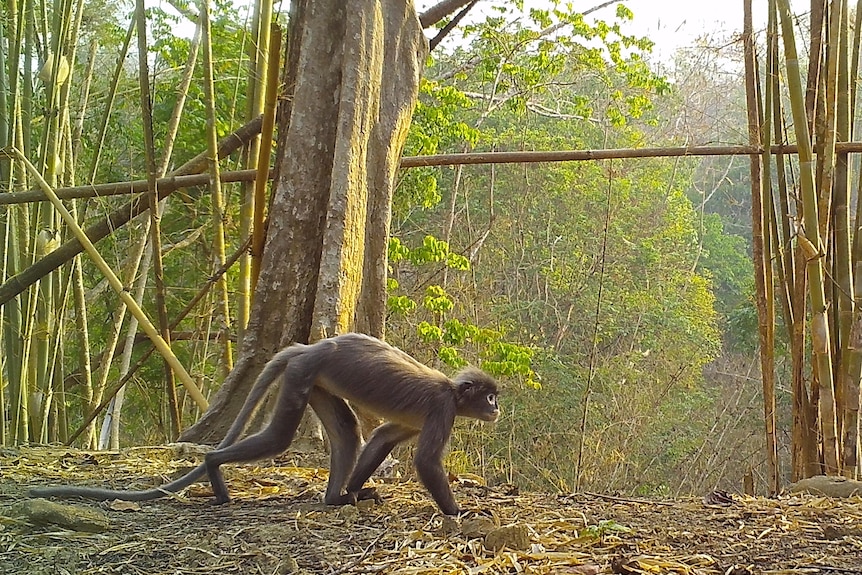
(375, 376)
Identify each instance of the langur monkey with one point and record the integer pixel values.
(414, 399)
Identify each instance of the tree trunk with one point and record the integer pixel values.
(356, 67)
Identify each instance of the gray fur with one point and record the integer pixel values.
(415, 399)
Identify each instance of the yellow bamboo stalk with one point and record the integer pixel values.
(265, 152)
(815, 263)
(148, 327)
(218, 208)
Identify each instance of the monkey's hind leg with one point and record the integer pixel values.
(274, 439)
(342, 429)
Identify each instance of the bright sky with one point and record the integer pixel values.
(669, 23)
(672, 24)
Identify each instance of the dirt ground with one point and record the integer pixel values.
(275, 524)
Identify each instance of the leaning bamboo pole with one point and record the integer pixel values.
(115, 283)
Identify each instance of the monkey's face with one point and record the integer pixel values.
(492, 410)
(478, 400)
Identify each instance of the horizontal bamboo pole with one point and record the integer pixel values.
(145, 323)
(120, 188)
(176, 182)
(614, 154)
(119, 217)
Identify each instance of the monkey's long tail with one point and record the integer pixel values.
(101, 494)
(271, 371)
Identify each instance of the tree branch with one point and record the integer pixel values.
(436, 13)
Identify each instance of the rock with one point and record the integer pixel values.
(515, 537)
(477, 527)
(288, 565)
(827, 485)
(75, 517)
(449, 525)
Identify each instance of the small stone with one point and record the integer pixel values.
(515, 537)
(75, 517)
(348, 512)
(288, 565)
(477, 527)
(449, 525)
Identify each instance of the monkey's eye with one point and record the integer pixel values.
(492, 399)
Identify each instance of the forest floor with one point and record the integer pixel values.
(275, 524)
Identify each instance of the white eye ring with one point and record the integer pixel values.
(492, 398)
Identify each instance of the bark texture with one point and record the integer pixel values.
(355, 83)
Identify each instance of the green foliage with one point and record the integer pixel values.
(604, 527)
(583, 260)
(449, 335)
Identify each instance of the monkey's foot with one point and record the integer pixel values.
(352, 497)
(220, 500)
(366, 493)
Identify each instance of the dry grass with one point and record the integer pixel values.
(277, 525)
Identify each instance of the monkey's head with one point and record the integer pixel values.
(476, 393)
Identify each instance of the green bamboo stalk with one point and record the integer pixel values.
(851, 317)
(5, 125)
(85, 97)
(21, 314)
(182, 92)
(251, 210)
(258, 231)
(79, 301)
(109, 103)
(218, 208)
(813, 245)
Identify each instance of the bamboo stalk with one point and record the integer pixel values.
(109, 104)
(260, 78)
(764, 296)
(218, 206)
(809, 236)
(155, 215)
(259, 232)
(115, 283)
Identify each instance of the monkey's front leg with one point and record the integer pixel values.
(381, 443)
(429, 461)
